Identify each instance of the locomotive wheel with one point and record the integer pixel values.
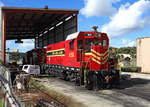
(64, 75)
(89, 80)
(100, 82)
(96, 84)
(82, 76)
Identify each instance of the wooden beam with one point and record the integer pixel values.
(41, 11)
(3, 37)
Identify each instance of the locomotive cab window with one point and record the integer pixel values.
(98, 42)
(104, 42)
(80, 44)
(88, 44)
(71, 45)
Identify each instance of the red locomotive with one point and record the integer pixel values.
(84, 58)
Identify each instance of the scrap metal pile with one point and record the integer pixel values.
(36, 56)
(22, 81)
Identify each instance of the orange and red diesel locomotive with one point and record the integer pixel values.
(84, 58)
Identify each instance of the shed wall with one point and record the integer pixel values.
(58, 33)
(143, 54)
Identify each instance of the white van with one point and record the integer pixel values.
(31, 69)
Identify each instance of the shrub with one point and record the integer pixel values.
(130, 69)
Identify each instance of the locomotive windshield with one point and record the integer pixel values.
(104, 42)
(98, 42)
(88, 44)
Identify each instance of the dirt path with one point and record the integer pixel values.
(131, 93)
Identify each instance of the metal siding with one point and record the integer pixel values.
(66, 28)
(69, 27)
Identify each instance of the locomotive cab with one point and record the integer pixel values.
(93, 51)
(93, 55)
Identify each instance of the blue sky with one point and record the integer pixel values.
(122, 20)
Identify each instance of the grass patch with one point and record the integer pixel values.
(1, 101)
(66, 100)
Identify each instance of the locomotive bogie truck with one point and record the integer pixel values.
(84, 58)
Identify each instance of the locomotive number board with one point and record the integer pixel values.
(58, 52)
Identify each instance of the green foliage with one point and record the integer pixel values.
(125, 50)
(129, 69)
(16, 56)
(1, 101)
(110, 48)
(35, 84)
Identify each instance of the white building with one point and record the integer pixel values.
(143, 54)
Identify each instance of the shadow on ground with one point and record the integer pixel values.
(133, 82)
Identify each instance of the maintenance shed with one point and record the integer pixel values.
(45, 25)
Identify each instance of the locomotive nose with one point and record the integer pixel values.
(99, 58)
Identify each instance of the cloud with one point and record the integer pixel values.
(8, 43)
(27, 45)
(128, 43)
(98, 8)
(114, 1)
(129, 18)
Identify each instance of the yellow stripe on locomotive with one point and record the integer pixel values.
(58, 52)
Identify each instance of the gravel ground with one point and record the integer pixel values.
(132, 92)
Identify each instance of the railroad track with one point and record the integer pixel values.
(45, 103)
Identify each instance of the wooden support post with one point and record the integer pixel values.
(3, 38)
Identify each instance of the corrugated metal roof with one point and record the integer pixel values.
(25, 23)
